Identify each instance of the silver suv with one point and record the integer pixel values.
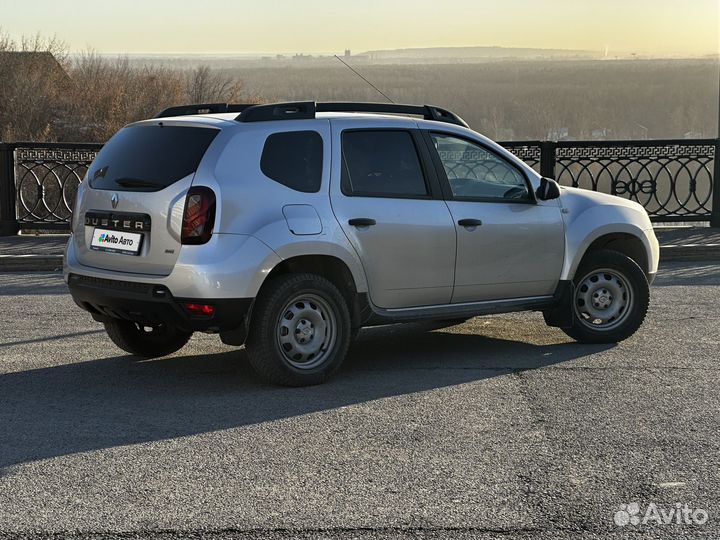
(288, 227)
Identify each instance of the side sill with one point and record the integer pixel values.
(377, 316)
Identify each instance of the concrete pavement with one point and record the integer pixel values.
(500, 427)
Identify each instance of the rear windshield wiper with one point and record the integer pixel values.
(136, 182)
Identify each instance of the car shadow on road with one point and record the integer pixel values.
(115, 401)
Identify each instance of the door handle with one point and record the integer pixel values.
(361, 222)
(469, 222)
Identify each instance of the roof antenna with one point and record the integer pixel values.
(364, 79)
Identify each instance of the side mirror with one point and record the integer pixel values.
(549, 189)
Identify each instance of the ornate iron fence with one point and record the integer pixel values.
(675, 180)
(529, 151)
(44, 182)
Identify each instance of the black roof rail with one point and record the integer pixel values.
(203, 108)
(299, 110)
(428, 112)
(307, 110)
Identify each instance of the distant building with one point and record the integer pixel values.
(601, 134)
(558, 134)
(30, 84)
(19, 62)
(347, 53)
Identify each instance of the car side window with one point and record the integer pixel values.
(294, 159)
(381, 164)
(477, 173)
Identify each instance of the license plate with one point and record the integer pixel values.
(116, 241)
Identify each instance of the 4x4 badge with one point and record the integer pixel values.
(114, 200)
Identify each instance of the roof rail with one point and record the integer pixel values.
(428, 112)
(300, 110)
(203, 108)
(307, 110)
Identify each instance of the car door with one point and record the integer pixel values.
(509, 245)
(384, 198)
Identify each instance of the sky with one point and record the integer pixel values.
(645, 27)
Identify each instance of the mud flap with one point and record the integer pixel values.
(561, 314)
(238, 336)
(235, 337)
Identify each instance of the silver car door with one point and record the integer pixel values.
(384, 202)
(509, 245)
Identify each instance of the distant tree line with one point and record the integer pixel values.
(47, 95)
(543, 99)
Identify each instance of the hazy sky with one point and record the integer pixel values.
(685, 27)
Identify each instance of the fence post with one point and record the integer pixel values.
(547, 158)
(715, 215)
(8, 217)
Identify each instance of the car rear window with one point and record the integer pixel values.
(294, 159)
(149, 158)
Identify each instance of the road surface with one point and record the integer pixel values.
(500, 427)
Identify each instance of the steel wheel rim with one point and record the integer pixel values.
(603, 299)
(306, 331)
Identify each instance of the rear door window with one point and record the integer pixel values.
(149, 157)
(294, 159)
(381, 164)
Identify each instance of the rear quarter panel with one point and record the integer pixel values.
(252, 204)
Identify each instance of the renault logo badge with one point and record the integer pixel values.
(114, 200)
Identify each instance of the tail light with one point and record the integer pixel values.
(199, 215)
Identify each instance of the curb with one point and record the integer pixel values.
(53, 263)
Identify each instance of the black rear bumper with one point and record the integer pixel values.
(153, 304)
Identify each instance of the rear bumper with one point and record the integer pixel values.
(153, 304)
(228, 266)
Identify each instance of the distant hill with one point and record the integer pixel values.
(433, 54)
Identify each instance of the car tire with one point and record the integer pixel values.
(610, 299)
(147, 342)
(300, 330)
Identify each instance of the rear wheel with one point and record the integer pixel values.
(300, 330)
(146, 341)
(610, 300)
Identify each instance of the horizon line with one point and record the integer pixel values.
(330, 54)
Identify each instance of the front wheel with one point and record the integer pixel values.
(300, 330)
(146, 341)
(610, 300)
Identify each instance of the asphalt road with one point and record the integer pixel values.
(500, 427)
